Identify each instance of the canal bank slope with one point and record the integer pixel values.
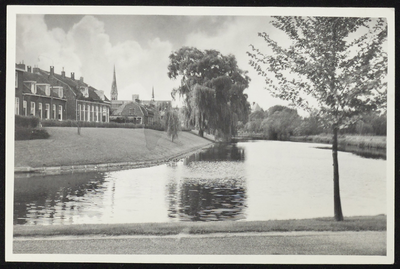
(101, 147)
(358, 223)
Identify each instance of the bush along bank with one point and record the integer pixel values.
(27, 128)
(360, 141)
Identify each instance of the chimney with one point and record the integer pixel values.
(29, 69)
(36, 69)
(21, 66)
(81, 79)
(63, 73)
(51, 71)
(73, 75)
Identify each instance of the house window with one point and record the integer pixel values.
(40, 110)
(33, 108)
(88, 113)
(25, 108)
(92, 113)
(79, 112)
(16, 80)
(138, 120)
(83, 112)
(33, 88)
(107, 114)
(60, 112)
(47, 90)
(54, 112)
(47, 111)
(60, 92)
(97, 113)
(16, 106)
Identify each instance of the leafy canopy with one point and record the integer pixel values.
(212, 87)
(339, 63)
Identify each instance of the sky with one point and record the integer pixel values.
(138, 46)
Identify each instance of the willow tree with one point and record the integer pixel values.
(212, 87)
(337, 65)
(172, 123)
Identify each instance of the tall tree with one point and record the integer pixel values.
(339, 63)
(212, 87)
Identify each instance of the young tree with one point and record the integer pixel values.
(212, 87)
(172, 124)
(339, 63)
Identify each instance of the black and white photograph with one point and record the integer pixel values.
(200, 135)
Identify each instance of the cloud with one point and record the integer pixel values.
(86, 49)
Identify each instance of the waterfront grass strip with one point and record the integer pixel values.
(362, 223)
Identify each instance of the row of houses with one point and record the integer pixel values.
(48, 95)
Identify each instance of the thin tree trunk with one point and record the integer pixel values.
(336, 191)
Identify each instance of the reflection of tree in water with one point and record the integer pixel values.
(207, 200)
(219, 152)
(37, 198)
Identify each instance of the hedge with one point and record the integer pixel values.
(26, 121)
(27, 133)
(72, 123)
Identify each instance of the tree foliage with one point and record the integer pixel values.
(281, 124)
(212, 87)
(172, 124)
(344, 76)
(338, 62)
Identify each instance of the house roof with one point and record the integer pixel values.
(131, 109)
(75, 85)
(38, 78)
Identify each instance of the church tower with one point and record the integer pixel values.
(114, 90)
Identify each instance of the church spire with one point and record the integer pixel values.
(114, 90)
(152, 94)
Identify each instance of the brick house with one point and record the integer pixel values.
(69, 98)
(85, 103)
(36, 96)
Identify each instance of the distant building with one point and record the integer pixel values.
(136, 110)
(132, 112)
(255, 107)
(114, 89)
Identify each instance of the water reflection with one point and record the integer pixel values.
(218, 152)
(194, 200)
(138, 195)
(53, 199)
(260, 180)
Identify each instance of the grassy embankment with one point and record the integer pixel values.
(366, 223)
(102, 145)
(361, 141)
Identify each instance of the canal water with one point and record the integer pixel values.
(244, 181)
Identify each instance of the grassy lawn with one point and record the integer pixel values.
(364, 223)
(102, 145)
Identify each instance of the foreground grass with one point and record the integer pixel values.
(363, 223)
(102, 145)
(361, 141)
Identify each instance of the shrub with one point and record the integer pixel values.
(26, 121)
(23, 133)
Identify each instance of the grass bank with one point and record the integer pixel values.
(361, 141)
(102, 145)
(362, 223)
